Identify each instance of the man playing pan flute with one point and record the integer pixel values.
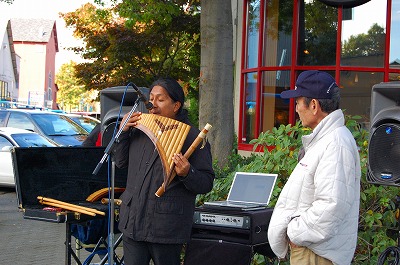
(155, 228)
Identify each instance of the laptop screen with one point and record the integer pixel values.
(252, 187)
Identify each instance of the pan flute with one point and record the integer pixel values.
(168, 135)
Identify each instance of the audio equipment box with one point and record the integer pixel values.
(247, 227)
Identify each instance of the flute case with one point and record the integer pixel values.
(64, 174)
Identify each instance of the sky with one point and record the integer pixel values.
(366, 15)
(48, 9)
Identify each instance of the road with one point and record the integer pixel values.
(31, 242)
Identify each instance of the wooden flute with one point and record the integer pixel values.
(200, 137)
(69, 206)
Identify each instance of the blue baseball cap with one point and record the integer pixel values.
(312, 84)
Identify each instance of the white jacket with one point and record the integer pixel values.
(318, 207)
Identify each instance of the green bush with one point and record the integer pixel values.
(378, 206)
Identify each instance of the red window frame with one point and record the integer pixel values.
(337, 68)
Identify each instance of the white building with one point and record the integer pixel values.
(9, 64)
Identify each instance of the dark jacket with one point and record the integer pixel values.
(165, 219)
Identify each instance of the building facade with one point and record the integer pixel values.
(354, 41)
(9, 65)
(35, 42)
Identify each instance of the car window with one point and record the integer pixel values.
(21, 121)
(54, 124)
(4, 142)
(3, 115)
(85, 122)
(31, 140)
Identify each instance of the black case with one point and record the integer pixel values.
(64, 174)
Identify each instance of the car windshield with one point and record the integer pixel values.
(31, 140)
(54, 124)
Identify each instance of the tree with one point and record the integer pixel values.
(140, 40)
(372, 43)
(126, 44)
(70, 92)
(216, 76)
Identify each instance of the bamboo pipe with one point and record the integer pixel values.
(69, 206)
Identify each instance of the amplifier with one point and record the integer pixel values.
(247, 227)
(221, 219)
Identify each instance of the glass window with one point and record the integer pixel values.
(4, 142)
(31, 140)
(253, 29)
(249, 110)
(274, 110)
(360, 64)
(19, 120)
(317, 33)
(394, 55)
(356, 92)
(278, 33)
(3, 115)
(394, 76)
(363, 36)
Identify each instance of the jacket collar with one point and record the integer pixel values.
(331, 122)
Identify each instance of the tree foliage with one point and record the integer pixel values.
(136, 41)
(372, 43)
(70, 92)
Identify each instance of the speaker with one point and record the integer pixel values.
(217, 252)
(384, 141)
(344, 3)
(112, 101)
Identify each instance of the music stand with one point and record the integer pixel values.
(107, 154)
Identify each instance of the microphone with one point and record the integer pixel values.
(142, 97)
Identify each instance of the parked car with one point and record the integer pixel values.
(13, 137)
(55, 127)
(88, 113)
(87, 122)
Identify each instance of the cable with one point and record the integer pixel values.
(390, 251)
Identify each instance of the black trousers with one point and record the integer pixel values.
(140, 252)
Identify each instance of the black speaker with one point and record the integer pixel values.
(114, 103)
(344, 3)
(217, 252)
(384, 141)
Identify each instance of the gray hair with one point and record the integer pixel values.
(328, 105)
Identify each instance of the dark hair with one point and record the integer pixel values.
(173, 88)
(328, 105)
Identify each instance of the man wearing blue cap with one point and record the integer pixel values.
(316, 214)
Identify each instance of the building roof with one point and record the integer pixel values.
(396, 62)
(33, 30)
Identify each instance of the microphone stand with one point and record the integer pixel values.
(107, 153)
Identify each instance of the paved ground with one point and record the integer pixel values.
(31, 242)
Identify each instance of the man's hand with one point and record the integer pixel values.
(132, 120)
(182, 165)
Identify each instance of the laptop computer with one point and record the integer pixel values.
(249, 191)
